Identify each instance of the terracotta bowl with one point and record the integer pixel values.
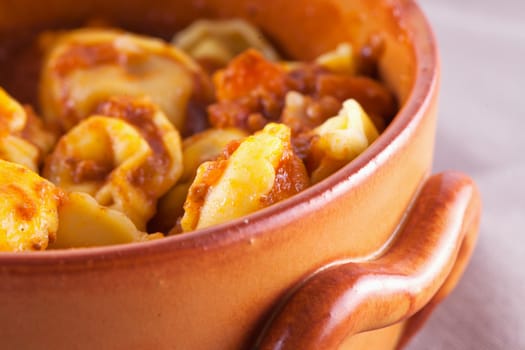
(356, 261)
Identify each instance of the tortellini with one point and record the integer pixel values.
(86, 66)
(126, 157)
(205, 146)
(35, 215)
(340, 139)
(196, 149)
(252, 174)
(256, 129)
(29, 210)
(303, 113)
(217, 42)
(23, 139)
(341, 60)
(85, 223)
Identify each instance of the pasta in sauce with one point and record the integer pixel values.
(140, 138)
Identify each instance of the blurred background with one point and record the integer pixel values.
(481, 131)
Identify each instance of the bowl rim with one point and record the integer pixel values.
(423, 89)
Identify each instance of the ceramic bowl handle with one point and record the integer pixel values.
(421, 267)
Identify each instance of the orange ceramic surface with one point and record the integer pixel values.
(377, 244)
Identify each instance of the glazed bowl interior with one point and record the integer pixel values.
(407, 65)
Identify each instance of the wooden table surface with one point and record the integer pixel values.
(481, 132)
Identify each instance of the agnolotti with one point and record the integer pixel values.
(86, 66)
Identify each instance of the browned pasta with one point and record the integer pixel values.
(29, 209)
